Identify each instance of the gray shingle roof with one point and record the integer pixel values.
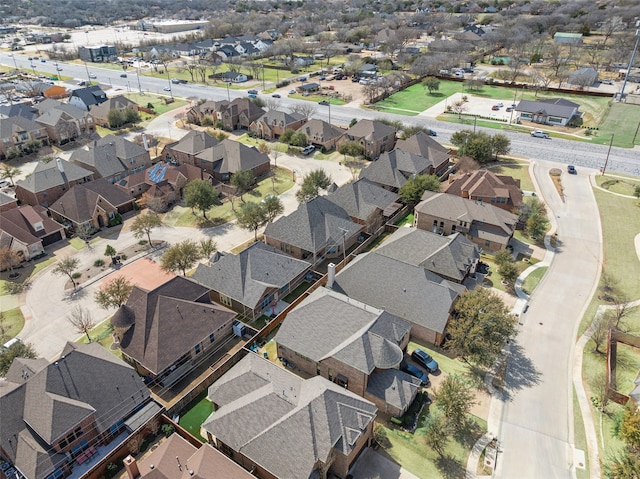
(394, 168)
(54, 398)
(231, 156)
(394, 387)
(362, 198)
(456, 209)
(111, 156)
(194, 142)
(314, 225)
(424, 145)
(280, 118)
(370, 130)
(47, 175)
(410, 292)
(449, 256)
(328, 324)
(91, 95)
(169, 321)
(319, 131)
(282, 412)
(11, 125)
(246, 277)
(553, 107)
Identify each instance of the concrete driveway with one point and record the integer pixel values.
(371, 465)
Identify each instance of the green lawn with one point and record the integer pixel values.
(407, 220)
(295, 294)
(31, 269)
(159, 105)
(617, 120)
(446, 363)
(411, 452)
(273, 145)
(183, 216)
(13, 322)
(195, 414)
(622, 186)
(494, 277)
(516, 169)
(533, 279)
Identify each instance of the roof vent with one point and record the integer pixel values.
(151, 466)
(191, 472)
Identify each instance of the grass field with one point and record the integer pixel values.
(159, 105)
(533, 279)
(623, 186)
(12, 322)
(620, 120)
(183, 216)
(516, 169)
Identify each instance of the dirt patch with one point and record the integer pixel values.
(556, 177)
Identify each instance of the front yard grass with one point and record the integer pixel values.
(615, 120)
(182, 216)
(519, 170)
(623, 186)
(27, 272)
(532, 280)
(158, 102)
(411, 452)
(12, 322)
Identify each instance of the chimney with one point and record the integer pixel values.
(60, 166)
(331, 275)
(131, 466)
(145, 142)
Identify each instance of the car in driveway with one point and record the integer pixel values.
(424, 359)
(416, 372)
(572, 170)
(539, 134)
(308, 150)
(292, 92)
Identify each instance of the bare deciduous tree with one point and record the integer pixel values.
(81, 320)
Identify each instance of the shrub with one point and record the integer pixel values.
(123, 257)
(98, 263)
(207, 121)
(76, 275)
(13, 288)
(150, 106)
(167, 429)
(142, 242)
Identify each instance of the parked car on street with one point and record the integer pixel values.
(495, 107)
(572, 170)
(252, 92)
(276, 95)
(123, 75)
(539, 134)
(431, 132)
(424, 359)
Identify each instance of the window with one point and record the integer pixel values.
(453, 228)
(197, 348)
(211, 338)
(226, 300)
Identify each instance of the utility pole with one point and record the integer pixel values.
(633, 57)
(607, 160)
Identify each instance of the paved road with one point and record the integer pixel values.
(621, 160)
(537, 421)
(48, 305)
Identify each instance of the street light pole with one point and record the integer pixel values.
(633, 56)
(14, 60)
(604, 168)
(228, 94)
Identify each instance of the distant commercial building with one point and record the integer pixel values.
(104, 53)
(169, 26)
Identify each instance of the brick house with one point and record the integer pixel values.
(64, 122)
(274, 123)
(17, 131)
(186, 150)
(321, 133)
(483, 185)
(374, 137)
(49, 181)
(229, 157)
(28, 229)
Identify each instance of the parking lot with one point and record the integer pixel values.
(480, 106)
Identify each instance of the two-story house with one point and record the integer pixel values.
(229, 157)
(64, 122)
(424, 145)
(185, 150)
(18, 131)
(87, 97)
(274, 123)
(28, 229)
(394, 168)
(322, 134)
(374, 137)
(483, 185)
(101, 111)
(486, 225)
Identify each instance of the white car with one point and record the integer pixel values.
(92, 76)
(499, 104)
(539, 134)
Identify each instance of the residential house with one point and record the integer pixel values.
(112, 157)
(452, 257)
(552, 111)
(229, 157)
(321, 133)
(366, 203)
(308, 88)
(240, 113)
(233, 77)
(486, 225)
(410, 292)
(161, 185)
(185, 151)
(227, 52)
(19, 109)
(349, 343)
(101, 111)
(95, 204)
(27, 230)
(252, 281)
(424, 145)
(164, 332)
(274, 123)
(246, 49)
(53, 412)
(583, 77)
(19, 132)
(203, 462)
(87, 97)
(100, 54)
(263, 413)
(63, 121)
(49, 181)
(374, 137)
(317, 229)
(394, 168)
(7, 202)
(211, 110)
(483, 185)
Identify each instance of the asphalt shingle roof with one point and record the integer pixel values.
(314, 225)
(449, 256)
(231, 156)
(394, 168)
(194, 142)
(553, 107)
(327, 324)
(282, 412)
(370, 130)
(319, 131)
(47, 175)
(363, 198)
(424, 145)
(246, 277)
(394, 387)
(410, 292)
